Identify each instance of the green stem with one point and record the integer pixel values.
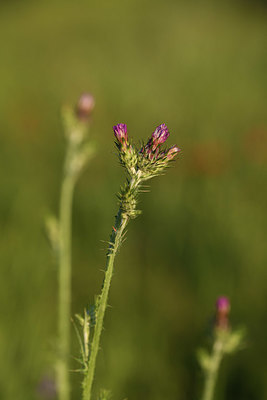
(116, 236)
(212, 372)
(64, 313)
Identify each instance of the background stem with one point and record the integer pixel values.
(120, 224)
(212, 372)
(65, 287)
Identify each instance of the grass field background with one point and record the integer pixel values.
(200, 67)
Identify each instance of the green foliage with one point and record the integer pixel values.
(80, 150)
(204, 359)
(201, 68)
(104, 395)
(52, 230)
(235, 341)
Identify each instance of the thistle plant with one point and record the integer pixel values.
(141, 164)
(78, 152)
(226, 341)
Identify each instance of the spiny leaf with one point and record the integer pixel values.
(80, 343)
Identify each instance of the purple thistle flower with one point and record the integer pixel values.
(120, 132)
(159, 136)
(172, 152)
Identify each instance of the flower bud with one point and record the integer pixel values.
(222, 311)
(159, 136)
(120, 132)
(85, 106)
(223, 305)
(172, 152)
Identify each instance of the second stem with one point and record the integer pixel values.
(65, 287)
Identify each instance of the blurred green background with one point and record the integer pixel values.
(200, 67)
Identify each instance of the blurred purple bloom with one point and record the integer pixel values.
(222, 311)
(47, 388)
(85, 105)
(120, 132)
(223, 305)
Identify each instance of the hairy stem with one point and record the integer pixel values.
(212, 372)
(116, 236)
(64, 278)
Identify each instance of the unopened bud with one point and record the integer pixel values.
(172, 152)
(223, 305)
(159, 136)
(222, 311)
(120, 132)
(85, 106)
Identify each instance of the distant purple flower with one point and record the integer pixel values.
(223, 305)
(120, 132)
(47, 388)
(85, 105)
(222, 311)
(172, 152)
